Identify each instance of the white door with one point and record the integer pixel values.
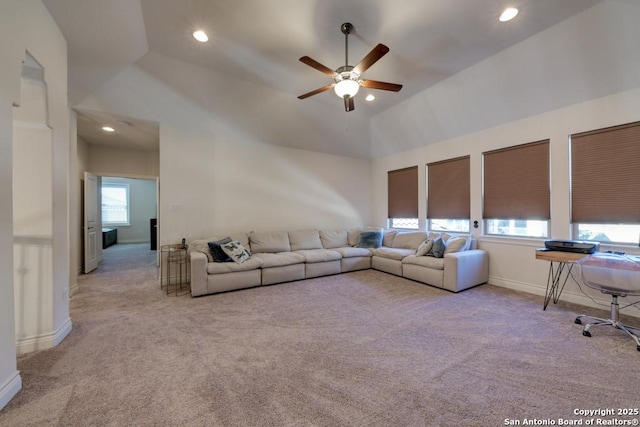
(157, 230)
(91, 229)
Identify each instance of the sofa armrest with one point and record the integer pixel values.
(198, 273)
(465, 269)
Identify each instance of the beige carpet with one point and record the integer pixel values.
(357, 349)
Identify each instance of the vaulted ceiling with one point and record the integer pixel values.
(259, 42)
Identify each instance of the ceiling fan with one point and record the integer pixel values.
(347, 79)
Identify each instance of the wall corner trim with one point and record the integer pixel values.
(44, 341)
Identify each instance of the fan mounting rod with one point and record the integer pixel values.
(346, 30)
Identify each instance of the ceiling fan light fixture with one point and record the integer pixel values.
(108, 129)
(508, 14)
(346, 87)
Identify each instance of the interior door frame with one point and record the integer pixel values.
(129, 176)
(91, 222)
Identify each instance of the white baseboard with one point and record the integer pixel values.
(567, 295)
(43, 341)
(10, 388)
(73, 289)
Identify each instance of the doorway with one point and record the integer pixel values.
(126, 211)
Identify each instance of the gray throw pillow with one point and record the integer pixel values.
(370, 239)
(437, 250)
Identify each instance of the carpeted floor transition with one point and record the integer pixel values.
(357, 349)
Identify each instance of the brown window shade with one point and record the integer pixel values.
(449, 189)
(516, 182)
(605, 175)
(403, 193)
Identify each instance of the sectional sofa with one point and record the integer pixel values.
(285, 256)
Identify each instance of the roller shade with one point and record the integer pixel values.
(516, 182)
(605, 175)
(449, 189)
(403, 193)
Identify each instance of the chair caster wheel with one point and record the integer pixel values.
(578, 321)
(586, 333)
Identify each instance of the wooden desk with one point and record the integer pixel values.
(563, 264)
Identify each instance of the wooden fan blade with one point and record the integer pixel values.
(318, 66)
(315, 92)
(372, 84)
(349, 104)
(371, 58)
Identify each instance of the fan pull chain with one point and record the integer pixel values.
(346, 122)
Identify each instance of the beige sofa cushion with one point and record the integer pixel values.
(349, 252)
(334, 238)
(279, 259)
(305, 239)
(230, 267)
(434, 235)
(353, 235)
(393, 253)
(425, 261)
(201, 246)
(387, 237)
(457, 244)
(409, 240)
(269, 241)
(319, 255)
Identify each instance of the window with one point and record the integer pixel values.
(402, 186)
(516, 190)
(457, 225)
(407, 223)
(605, 195)
(613, 233)
(448, 195)
(115, 204)
(512, 227)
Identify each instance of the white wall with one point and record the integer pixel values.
(142, 207)
(512, 261)
(113, 161)
(210, 186)
(25, 25)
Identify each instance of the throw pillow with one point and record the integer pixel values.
(216, 250)
(370, 239)
(437, 250)
(424, 247)
(236, 251)
(456, 244)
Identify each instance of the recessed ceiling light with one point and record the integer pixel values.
(200, 35)
(108, 129)
(508, 14)
(370, 98)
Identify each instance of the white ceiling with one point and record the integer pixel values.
(261, 41)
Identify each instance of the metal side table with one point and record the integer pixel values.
(174, 268)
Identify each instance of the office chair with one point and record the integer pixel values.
(615, 275)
